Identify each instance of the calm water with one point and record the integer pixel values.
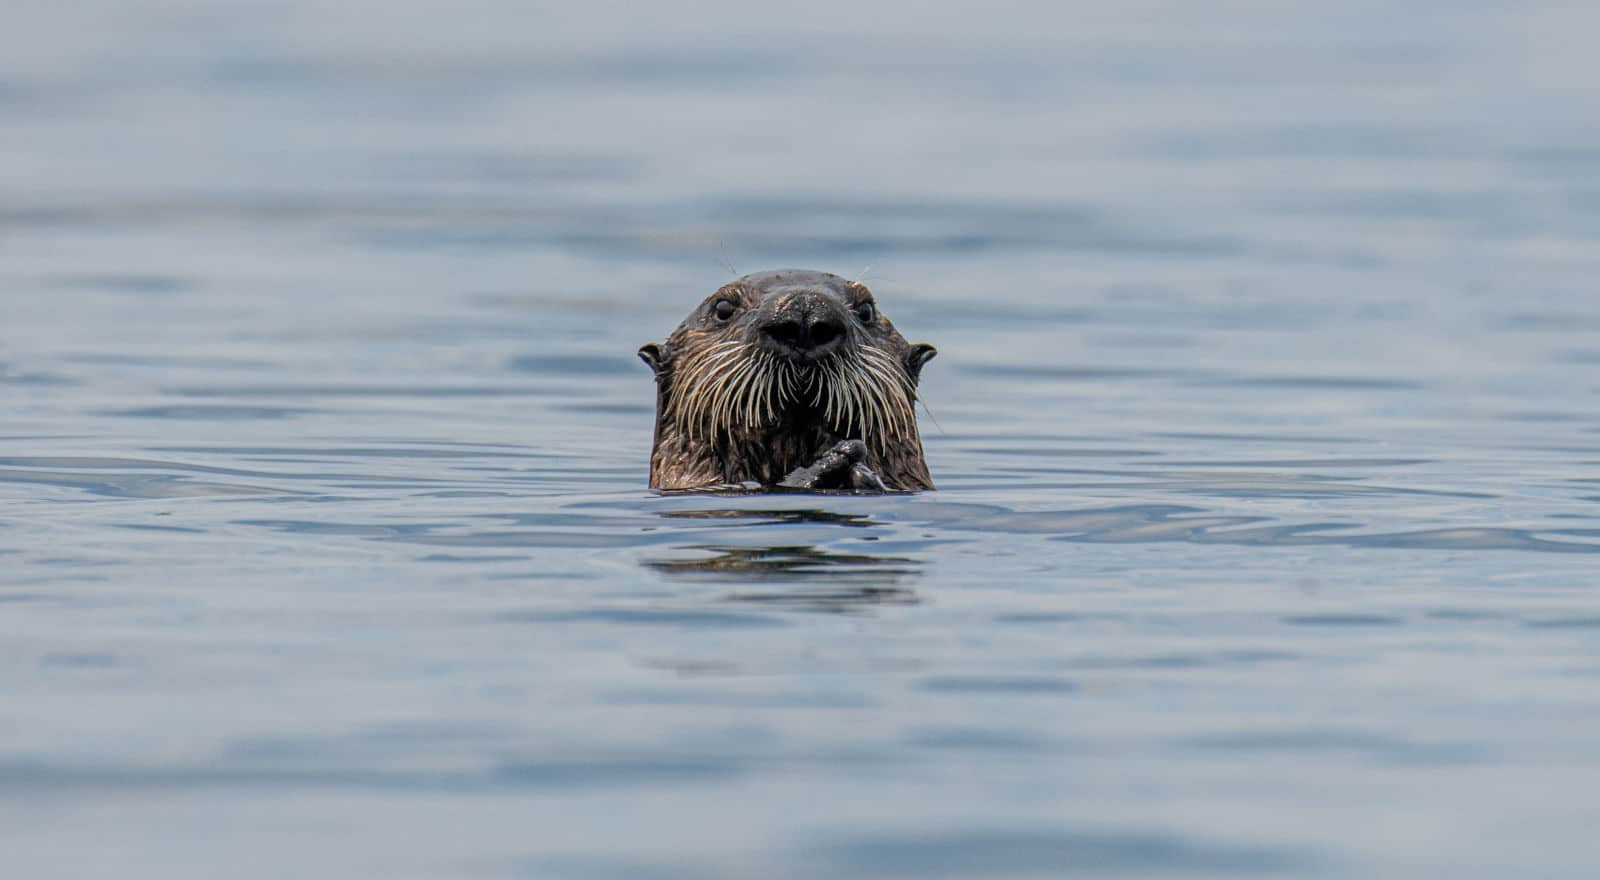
(1266, 430)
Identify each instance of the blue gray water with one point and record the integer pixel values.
(1266, 428)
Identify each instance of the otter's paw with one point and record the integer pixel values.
(836, 469)
(863, 479)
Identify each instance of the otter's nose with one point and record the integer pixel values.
(808, 322)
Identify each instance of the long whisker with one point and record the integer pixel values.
(734, 386)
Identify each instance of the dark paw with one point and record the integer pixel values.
(841, 467)
(863, 479)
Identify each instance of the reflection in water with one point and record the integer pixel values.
(784, 563)
(761, 516)
(814, 578)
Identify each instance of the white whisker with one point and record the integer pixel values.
(733, 386)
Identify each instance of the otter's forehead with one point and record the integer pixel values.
(777, 280)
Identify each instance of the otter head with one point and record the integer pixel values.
(773, 369)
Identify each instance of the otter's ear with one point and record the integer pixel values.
(654, 355)
(919, 354)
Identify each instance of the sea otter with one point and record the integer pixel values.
(790, 379)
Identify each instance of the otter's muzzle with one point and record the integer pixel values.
(807, 323)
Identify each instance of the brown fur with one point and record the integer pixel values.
(732, 407)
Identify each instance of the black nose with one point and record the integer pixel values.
(805, 336)
(808, 324)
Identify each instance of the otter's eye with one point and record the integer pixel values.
(725, 309)
(866, 313)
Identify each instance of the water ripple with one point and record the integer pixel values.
(1053, 852)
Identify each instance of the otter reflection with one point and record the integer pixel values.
(759, 517)
(812, 578)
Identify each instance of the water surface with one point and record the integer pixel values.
(1265, 427)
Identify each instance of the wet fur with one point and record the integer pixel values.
(730, 410)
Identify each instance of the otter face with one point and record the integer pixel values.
(776, 363)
